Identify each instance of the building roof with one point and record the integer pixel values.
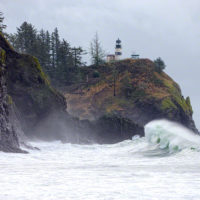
(118, 41)
(110, 55)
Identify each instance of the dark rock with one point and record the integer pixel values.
(39, 106)
(8, 136)
(141, 95)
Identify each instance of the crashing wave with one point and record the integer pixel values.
(171, 136)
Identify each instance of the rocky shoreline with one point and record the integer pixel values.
(31, 108)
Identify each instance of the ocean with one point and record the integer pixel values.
(163, 165)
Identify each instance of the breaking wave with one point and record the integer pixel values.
(171, 136)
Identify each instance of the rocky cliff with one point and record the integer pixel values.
(32, 94)
(8, 132)
(114, 101)
(39, 108)
(131, 91)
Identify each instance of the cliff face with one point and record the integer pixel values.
(141, 95)
(40, 109)
(32, 94)
(8, 135)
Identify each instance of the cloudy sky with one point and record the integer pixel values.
(169, 29)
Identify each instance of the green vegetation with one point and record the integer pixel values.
(139, 94)
(168, 105)
(157, 81)
(159, 65)
(189, 104)
(138, 88)
(42, 74)
(2, 56)
(9, 100)
(96, 74)
(126, 87)
(176, 100)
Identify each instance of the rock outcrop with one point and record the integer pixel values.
(130, 90)
(8, 133)
(39, 106)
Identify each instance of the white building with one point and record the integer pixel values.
(135, 56)
(110, 58)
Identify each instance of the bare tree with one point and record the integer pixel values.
(96, 51)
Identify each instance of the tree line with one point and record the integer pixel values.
(58, 59)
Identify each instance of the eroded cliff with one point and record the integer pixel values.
(130, 90)
(9, 141)
(39, 106)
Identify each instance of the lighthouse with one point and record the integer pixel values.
(118, 50)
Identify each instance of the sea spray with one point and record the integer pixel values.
(171, 136)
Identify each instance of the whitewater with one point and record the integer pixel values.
(165, 164)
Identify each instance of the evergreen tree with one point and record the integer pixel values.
(57, 46)
(65, 55)
(60, 62)
(12, 39)
(48, 50)
(65, 66)
(53, 51)
(26, 39)
(41, 49)
(2, 25)
(77, 56)
(159, 65)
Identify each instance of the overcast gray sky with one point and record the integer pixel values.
(166, 28)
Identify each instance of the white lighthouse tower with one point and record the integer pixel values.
(118, 50)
